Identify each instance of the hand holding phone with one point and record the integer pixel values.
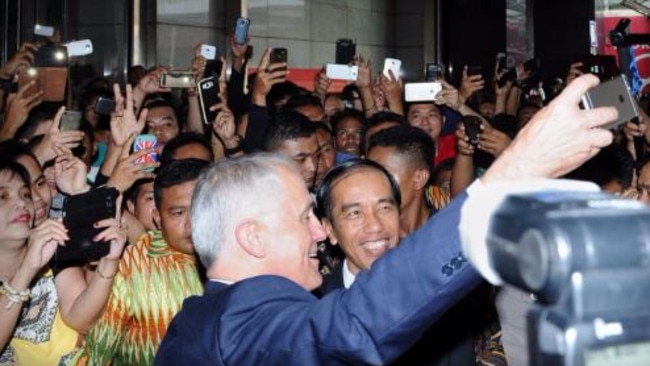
(81, 212)
(70, 121)
(146, 141)
(393, 65)
(472, 126)
(208, 96)
(279, 55)
(613, 93)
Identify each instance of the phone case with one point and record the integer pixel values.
(146, 141)
(51, 80)
(433, 72)
(208, 51)
(80, 214)
(104, 106)
(472, 128)
(279, 55)
(421, 92)
(208, 96)
(342, 72)
(613, 93)
(345, 51)
(241, 30)
(79, 48)
(394, 65)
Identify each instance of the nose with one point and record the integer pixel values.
(372, 223)
(311, 164)
(317, 230)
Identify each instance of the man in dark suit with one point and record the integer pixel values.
(255, 231)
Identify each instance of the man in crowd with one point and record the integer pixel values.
(260, 253)
(293, 135)
(155, 275)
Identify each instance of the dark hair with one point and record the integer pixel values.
(347, 94)
(12, 150)
(301, 100)
(408, 105)
(347, 113)
(447, 164)
(37, 116)
(184, 139)
(11, 166)
(175, 173)
(378, 119)
(324, 204)
(612, 164)
(280, 91)
(159, 102)
(320, 125)
(409, 141)
(287, 125)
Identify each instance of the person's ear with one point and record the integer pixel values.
(155, 216)
(329, 230)
(248, 236)
(420, 179)
(130, 206)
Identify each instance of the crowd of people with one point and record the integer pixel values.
(298, 227)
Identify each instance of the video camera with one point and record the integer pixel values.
(586, 258)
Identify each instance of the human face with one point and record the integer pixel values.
(348, 136)
(193, 151)
(486, 109)
(292, 234)
(327, 155)
(16, 208)
(314, 113)
(426, 116)
(401, 168)
(643, 184)
(161, 122)
(173, 216)
(144, 206)
(304, 152)
(365, 217)
(41, 194)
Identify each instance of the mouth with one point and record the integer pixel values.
(376, 248)
(24, 218)
(40, 212)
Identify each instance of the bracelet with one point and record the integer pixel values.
(14, 296)
(236, 149)
(101, 275)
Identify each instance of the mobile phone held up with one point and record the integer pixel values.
(342, 72)
(393, 65)
(345, 51)
(81, 212)
(613, 93)
(146, 141)
(104, 106)
(279, 55)
(70, 121)
(208, 96)
(241, 30)
(177, 79)
(433, 72)
(472, 126)
(422, 92)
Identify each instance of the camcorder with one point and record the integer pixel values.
(584, 255)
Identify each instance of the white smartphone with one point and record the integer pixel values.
(43, 30)
(342, 72)
(422, 92)
(208, 51)
(79, 48)
(393, 65)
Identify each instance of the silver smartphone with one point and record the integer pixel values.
(613, 93)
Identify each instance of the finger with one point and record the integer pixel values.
(140, 154)
(264, 60)
(600, 138)
(573, 92)
(142, 120)
(217, 107)
(599, 116)
(21, 91)
(222, 75)
(118, 212)
(57, 120)
(106, 223)
(129, 98)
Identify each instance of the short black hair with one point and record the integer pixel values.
(132, 193)
(320, 125)
(12, 150)
(409, 141)
(184, 139)
(175, 173)
(160, 102)
(378, 119)
(408, 105)
(287, 125)
(301, 100)
(11, 166)
(281, 90)
(324, 204)
(336, 119)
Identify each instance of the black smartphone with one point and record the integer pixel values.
(208, 96)
(472, 128)
(510, 75)
(603, 66)
(212, 68)
(279, 55)
(104, 106)
(51, 56)
(433, 72)
(241, 30)
(80, 213)
(345, 51)
(474, 70)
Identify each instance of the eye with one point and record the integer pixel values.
(177, 213)
(353, 214)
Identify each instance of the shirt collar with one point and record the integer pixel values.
(348, 277)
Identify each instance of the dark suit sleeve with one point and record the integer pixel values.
(272, 321)
(258, 121)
